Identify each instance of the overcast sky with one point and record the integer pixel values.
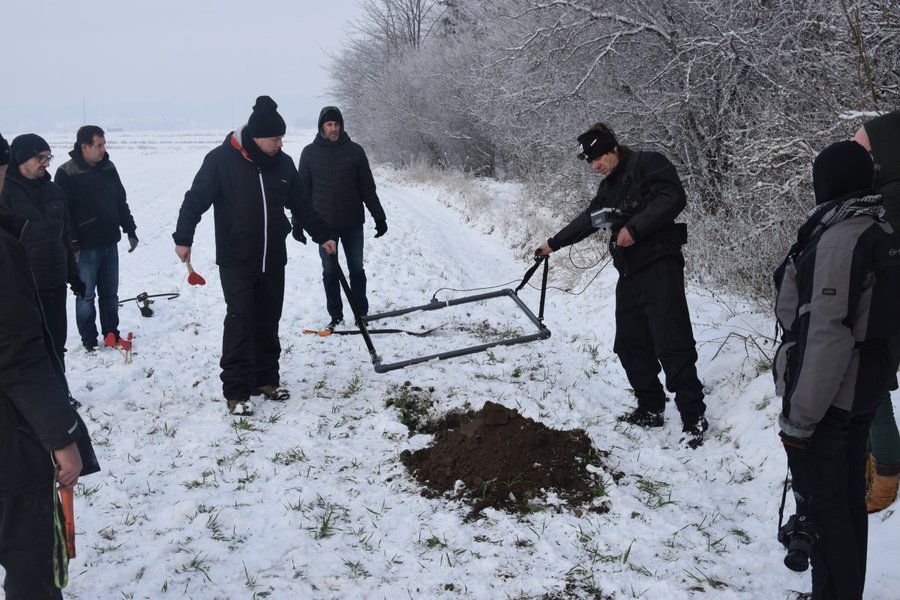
(166, 63)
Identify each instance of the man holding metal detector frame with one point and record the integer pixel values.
(637, 202)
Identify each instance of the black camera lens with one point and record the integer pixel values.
(797, 560)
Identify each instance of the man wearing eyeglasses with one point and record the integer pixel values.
(98, 208)
(29, 192)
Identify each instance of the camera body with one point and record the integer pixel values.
(798, 536)
(607, 218)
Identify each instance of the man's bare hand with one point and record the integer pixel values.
(68, 463)
(183, 252)
(624, 238)
(330, 246)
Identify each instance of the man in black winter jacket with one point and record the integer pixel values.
(30, 193)
(39, 429)
(335, 173)
(638, 201)
(97, 210)
(837, 307)
(4, 159)
(249, 181)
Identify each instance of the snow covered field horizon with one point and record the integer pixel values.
(309, 499)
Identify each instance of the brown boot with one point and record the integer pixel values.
(883, 490)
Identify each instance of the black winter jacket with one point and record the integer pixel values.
(46, 239)
(35, 414)
(96, 200)
(646, 188)
(339, 181)
(249, 202)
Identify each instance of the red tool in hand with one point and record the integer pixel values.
(67, 497)
(194, 278)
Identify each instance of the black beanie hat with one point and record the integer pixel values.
(841, 168)
(331, 113)
(26, 146)
(596, 141)
(265, 121)
(4, 151)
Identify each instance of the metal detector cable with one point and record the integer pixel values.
(531, 285)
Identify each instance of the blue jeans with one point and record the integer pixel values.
(352, 241)
(99, 270)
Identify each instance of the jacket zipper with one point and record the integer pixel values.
(265, 220)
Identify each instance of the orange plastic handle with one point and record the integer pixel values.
(68, 505)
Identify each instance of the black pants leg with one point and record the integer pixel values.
(634, 346)
(238, 348)
(837, 507)
(26, 546)
(653, 329)
(267, 346)
(53, 301)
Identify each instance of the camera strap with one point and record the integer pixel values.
(783, 498)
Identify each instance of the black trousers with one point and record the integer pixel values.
(250, 345)
(829, 486)
(653, 330)
(26, 546)
(53, 301)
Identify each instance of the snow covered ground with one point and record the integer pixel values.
(308, 499)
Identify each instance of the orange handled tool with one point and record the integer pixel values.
(194, 278)
(68, 506)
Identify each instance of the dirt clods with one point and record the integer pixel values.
(506, 461)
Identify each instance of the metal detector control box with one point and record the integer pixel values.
(607, 218)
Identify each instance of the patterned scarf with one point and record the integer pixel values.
(823, 216)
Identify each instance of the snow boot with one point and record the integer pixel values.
(692, 433)
(272, 392)
(883, 489)
(335, 321)
(240, 407)
(643, 418)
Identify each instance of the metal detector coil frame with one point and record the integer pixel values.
(538, 320)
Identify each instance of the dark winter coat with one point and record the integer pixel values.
(837, 304)
(645, 187)
(884, 138)
(338, 179)
(96, 200)
(46, 239)
(249, 202)
(35, 414)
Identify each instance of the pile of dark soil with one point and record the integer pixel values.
(508, 462)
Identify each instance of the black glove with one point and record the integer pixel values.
(380, 228)
(132, 241)
(297, 234)
(77, 286)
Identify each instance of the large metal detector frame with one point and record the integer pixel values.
(538, 320)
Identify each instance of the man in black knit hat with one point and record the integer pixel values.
(249, 181)
(836, 303)
(335, 172)
(637, 201)
(30, 193)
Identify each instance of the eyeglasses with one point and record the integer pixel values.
(44, 159)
